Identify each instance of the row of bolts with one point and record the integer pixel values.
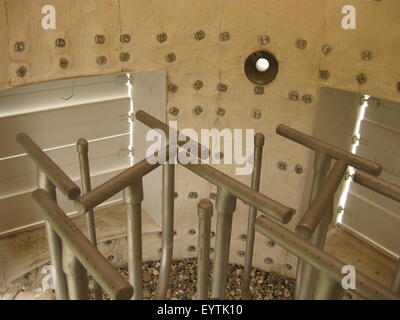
(200, 35)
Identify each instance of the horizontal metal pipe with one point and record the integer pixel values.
(240, 191)
(116, 184)
(51, 170)
(101, 270)
(331, 150)
(313, 216)
(378, 185)
(154, 123)
(365, 287)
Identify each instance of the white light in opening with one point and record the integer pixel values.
(262, 65)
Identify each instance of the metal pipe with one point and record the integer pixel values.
(365, 287)
(240, 191)
(76, 276)
(170, 133)
(313, 216)
(205, 213)
(327, 288)
(101, 270)
(167, 230)
(51, 170)
(331, 150)
(116, 184)
(225, 206)
(259, 140)
(54, 241)
(133, 197)
(381, 186)
(83, 150)
(396, 281)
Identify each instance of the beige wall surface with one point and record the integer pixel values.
(214, 61)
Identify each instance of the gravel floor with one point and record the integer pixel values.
(264, 285)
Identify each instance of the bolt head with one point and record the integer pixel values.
(125, 38)
(282, 165)
(301, 44)
(19, 46)
(298, 169)
(307, 98)
(60, 43)
(99, 39)
(294, 95)
(366, 55)
(200, 35)
(124, 56)
(64, 63)
(257, 114)
(269, 260)
(21, 72)
(361, 78)
(326, 48)
(174, 111)
(221, 112)
(222, 87)
(162, 37)
(264, 40)
(172, 88)
(224, 36)
(193, 195)
(241, 253)
(198, 110)
(198, 85)
(101, 60)
(192, 232)
(259, 90)
(171, 57)
(324, 74)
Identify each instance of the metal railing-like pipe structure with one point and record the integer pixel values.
(259, 141)
(82, 147)
(167, 230)
(331, 150)
(133, 197)
(101, 270)
(205, 213)
(365, 287)
(50, 169)
(54, 241)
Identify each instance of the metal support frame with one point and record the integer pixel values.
(167, 230)
(83, 150)
(205, 213)
(133, 197)
(225, 207)
(259, 141)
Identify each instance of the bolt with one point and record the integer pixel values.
(192, 249)
(298, 168)
(21, 72)
(19, 46)
(282, 165)
(224, 36)
(294, 95)
(124, 56)
(271, 243)
(212, 234)
(198, 110)
(170, 57)
(172, 88)
(288, 266)
(159, 250)
(101, 60)
(301, 44)
(269, 260)
(174, 111)
(200, 35)
(221, 112)
(125, 38)
(241, 253)
(193, 195)
(243, 237)
(192, 232)
(324, 74)
(259, 90)
(307, 98)
(100, 39)
(176, 195)
(361, 78)
(162, 37)
(264, 40)
(60, 42)
(198, 85)
(211, 250)
(213, 196)
(108, 242)
(222, 87)
(257, 114)
(159, 234)
(366, 55)
(63, 63)
(326, 48)
(110, 258)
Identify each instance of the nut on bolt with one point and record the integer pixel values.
(222, 87)
(198, 110)
(21, 72)
(200, 35)
(101, 60)
(269, 260)
(19, 46)
(174, 111)
(170, 57)
(224, 36)
(124, 56)
(307, 98)
(162, 37)
(198, 85)
(64, 63)
(282, 165)
(99, 39)
(60, 43)
(125, 38)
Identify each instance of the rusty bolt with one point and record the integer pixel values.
(125, 38)
(294, 95)
(60, 42)
(19, 46)
(198, 110)
(101, 60)
(200, 35)
(224, 36)
(301, 44)
(21, 72)
(259, 90)
(361, 78)
(174, 111)
(170, 57)
(162, 37)
(198, 85)
(64, 63)
(222, 87)
(124, 56)
(99, 39)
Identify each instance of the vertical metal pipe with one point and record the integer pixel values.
(327, 288)
(226, 206)
(133, 197)
(305, 277)
(259, 140)
(205, 213)
(54, 242)
(396, 281)
(83, 150)
(167, 230)
(76, 276)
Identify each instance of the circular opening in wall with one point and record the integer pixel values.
(261, 67)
